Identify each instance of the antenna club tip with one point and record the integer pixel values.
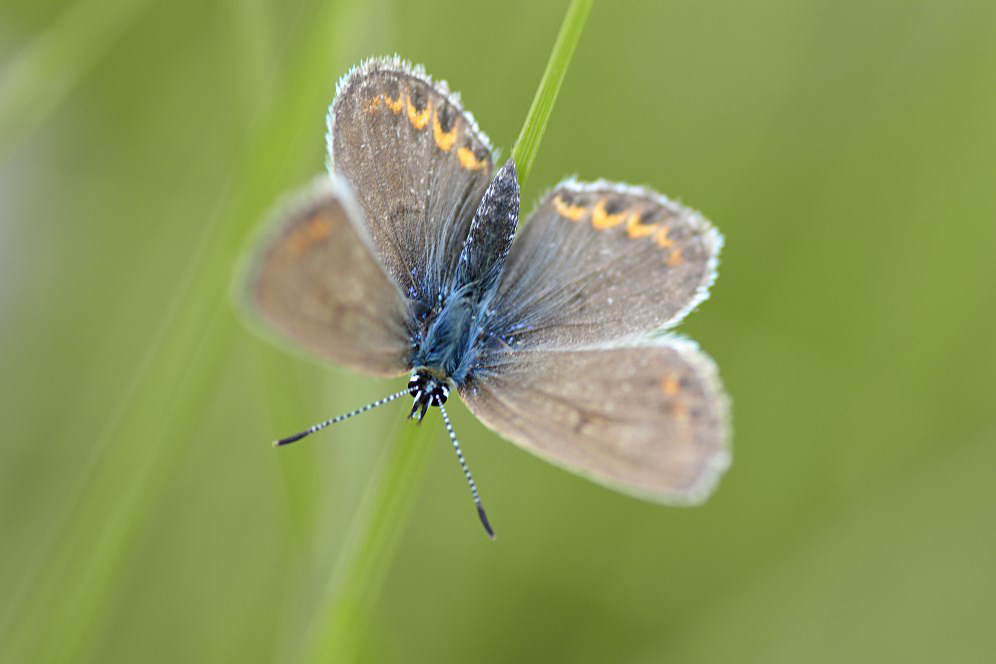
(485, 523)
(290, 439)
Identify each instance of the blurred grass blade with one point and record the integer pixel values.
(353, 586)
(252, 21)
(527, 145)
(42, 75)
(114, 510)
(68, 608)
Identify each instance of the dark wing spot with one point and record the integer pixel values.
(479, 151)
(581, 199)
(648, 215)
(391, 88)
(419, 99)
(615, 205)
(447, 118)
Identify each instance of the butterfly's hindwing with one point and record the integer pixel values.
(317, 281)
(417, 163)
(598, 262)
(649, 418)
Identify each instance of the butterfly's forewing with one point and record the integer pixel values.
(317, 281)
(598, 262)
(649, 418)
(417, 163)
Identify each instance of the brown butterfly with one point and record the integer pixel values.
(405, 259)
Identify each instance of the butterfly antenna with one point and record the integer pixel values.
(466, 471)
(318, 427)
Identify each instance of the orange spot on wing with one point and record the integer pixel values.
(304, 237)
(635, 229)
(374, 104)
(662, 239)
(601, 220)
(675, 257)
(394, 104)
(572, 212)
(444, 140)
(670, 385)
(470, 161)
(319, 228)
(418, 119)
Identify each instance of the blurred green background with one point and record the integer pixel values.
(847, 150)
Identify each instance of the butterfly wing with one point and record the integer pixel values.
(417, 163)
(317, 281)
(598, 262)
(649, 418)
(568, 370)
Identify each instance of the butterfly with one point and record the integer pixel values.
(408, 258)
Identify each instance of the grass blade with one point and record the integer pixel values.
(335, 633)
(527, 145)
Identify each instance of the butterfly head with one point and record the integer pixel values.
(428, 388)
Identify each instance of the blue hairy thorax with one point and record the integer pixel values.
(449, 337)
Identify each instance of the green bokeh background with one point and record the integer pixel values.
(847, 150)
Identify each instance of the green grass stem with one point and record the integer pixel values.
(336, 632)
(527, 145)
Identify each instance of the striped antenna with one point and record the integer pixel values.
(466, 470)
(318, 427)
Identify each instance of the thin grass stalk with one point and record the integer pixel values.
(353, 586)
(527, 145)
